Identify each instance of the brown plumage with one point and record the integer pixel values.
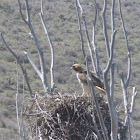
(81, 76)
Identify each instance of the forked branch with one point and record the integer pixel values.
(126, 83)
(41, 57)
(110, 66)
(87, 36)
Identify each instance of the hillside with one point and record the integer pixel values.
(60, 17)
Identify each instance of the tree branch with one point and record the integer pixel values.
(22, 13)
(80, 30)
(125, 97)
(95, 101)
(18, 60)
(105, 29)
(87, 36)
(111, 53)
(51, 47)
(98, 10)
(133, 101)
(41, 57)
(123, 83)
(112, 44)
(94, 43)
(127, 46)
(113, 114)
(33, 65)
(110, 66)
(17, 108)
(22, 108)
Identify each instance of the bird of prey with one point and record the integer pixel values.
(81, 76)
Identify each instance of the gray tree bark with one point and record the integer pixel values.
(40, 53)
(51, 47)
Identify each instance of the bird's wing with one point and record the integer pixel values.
(96, 81)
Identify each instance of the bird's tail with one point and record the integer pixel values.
(101, 89)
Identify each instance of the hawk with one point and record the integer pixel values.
(81, 76)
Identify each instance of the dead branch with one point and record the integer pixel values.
(113, 112)
(17, 108)
(18, 60)
(108, 91)
(33, 65)
(51, 47)
(98, 11)
(22, 109)
(127, 46)
(94, 43)
(87, 36)
(133, 101)
(40, 53)
(123, 82)
(110, 66)
(95, 101)
(105, 29)
(80, 30)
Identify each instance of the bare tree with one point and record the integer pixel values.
(109, 49)
(110, 67)
(92, 47)
(41, 73)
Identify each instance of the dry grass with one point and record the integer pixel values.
(60, 17)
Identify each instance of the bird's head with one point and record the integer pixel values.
(77, 68)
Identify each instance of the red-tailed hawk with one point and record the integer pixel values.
(81, 76)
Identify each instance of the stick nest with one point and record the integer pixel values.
(64, 117)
